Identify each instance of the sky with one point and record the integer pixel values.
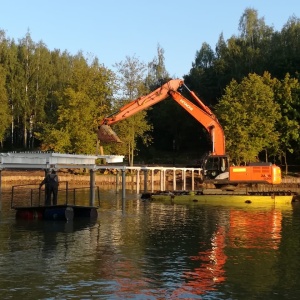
(112, 30)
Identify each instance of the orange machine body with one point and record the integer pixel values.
(257, 173)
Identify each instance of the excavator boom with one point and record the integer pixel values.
(201, 113)
(143, 102)
(106, 134)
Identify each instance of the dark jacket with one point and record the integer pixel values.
(53, 180)
(50, 180)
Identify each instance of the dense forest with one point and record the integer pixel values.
(54, 101)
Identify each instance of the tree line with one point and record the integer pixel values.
(54, 101)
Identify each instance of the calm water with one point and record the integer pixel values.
(153, 251)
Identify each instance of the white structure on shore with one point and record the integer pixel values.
(52, 160)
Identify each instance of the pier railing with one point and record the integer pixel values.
(155, 178)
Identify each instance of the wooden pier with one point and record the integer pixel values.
(66, 210)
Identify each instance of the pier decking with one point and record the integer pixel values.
(34, 208)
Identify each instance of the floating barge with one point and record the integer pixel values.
(220, 197)
(28, 200)
(56, 212)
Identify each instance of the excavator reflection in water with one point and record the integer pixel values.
(215, 166)
(210, 271)
(241, 238)
(245, 229)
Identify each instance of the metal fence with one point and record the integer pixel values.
(29, 195)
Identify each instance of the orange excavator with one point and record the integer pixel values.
(215, 166)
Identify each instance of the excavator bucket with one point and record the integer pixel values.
(106, 134)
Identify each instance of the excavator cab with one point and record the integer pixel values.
(214, 165)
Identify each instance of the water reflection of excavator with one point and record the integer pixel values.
(215, 166)
(209, 271)
(257, 229)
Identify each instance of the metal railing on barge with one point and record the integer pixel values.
(29, 195)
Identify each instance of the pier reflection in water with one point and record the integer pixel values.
(153, 251)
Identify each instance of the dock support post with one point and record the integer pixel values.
(161, 179)
(152, 180)
(92, 187)
(137, 181)
(174, 179)
(193, 180)
(145, 181)
(123, 185)
(117, 182)
(46, 172)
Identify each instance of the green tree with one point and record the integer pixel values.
(202, 78)
(5, 116)
(204, 57)
(286, 94)
(59, 75)
(73, 131)
(79, 107)
(157, 72)
(27, 67)
(284, 48)
(249, 52)
(131, 82)
(39, 85)
(13, 84)
(96, 81)
(248, 114)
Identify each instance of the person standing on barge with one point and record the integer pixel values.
(51, 183)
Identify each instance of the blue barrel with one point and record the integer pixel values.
(59, 213)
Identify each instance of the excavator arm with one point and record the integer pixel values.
(201, 113)
(143, 102)
(205, 117)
